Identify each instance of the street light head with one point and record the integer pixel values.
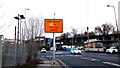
(108, 5)
(16, 18)
(22, 17)
(27, 9)
(87, 28)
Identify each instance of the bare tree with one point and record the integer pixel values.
(105, 29)
(74, 31)
(34, 27)
(65, 35)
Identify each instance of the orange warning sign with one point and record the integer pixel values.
(53, 25)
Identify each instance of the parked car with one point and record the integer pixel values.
(112, 50)
(81, 48)
(51, 49)
(43, 50)
(75, 51)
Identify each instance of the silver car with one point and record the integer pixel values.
(43, 50)
(112, 50)
(75, 51)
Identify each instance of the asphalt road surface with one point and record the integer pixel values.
(86, 59)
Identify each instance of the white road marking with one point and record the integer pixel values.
(83, 57)
(103, 54)
(58, 52)
(55, 56)
(73, 55)
(114, 64)
(68, 55)
(94, 59)
(90, 59)
(46, 56)
(98, 54)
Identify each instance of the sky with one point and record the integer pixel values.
(77, 14)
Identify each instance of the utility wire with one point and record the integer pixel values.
(4, 23)
(3, 15)
(7, 27)
(2, 26)
(9, 8)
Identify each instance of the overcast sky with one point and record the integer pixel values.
(77, 14)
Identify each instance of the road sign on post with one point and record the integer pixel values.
(53, 25)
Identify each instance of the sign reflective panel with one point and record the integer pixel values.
(53, 25)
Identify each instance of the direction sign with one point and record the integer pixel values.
(53, 25)
(49, 41)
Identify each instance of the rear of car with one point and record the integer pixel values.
(75, 51)
(112, 50)
(43, 50)
(51, 49)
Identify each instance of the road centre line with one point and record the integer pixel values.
(90, 59)
(114, 64)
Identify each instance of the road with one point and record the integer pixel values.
(86, 59)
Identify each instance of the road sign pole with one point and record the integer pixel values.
(53, 26)
(54, 45)
(53, 48)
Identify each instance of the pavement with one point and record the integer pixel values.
(47, 62)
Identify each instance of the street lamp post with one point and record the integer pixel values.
(26, 36)
(25, 22)
(19, 17)
(117, 30)
(88, 35)
(115, 21)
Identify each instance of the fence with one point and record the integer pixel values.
(14, 54)
(1, 53)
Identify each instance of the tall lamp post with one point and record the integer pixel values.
(19, 17)
(25, 22)
(88, 35)
(117, 30)
(115, 21)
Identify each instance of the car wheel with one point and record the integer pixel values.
(79, 53)
(113, 51)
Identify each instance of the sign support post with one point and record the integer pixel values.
(53, 26)
(54, 45)
(54, 48)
